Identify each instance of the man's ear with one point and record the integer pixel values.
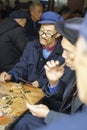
(31, 13)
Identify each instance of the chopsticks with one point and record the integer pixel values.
(25, 81)
(24, 94)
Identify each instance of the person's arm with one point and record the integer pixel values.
(52, 89)
(42, 111)
(38, 110)
(52, 72)
(53, 76)
(53, 115)
(21, 68)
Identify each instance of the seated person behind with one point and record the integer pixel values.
(34, 15)
(13, 40)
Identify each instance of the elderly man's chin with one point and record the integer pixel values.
(43, 42)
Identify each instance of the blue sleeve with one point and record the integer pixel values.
(21, 68)
(53, 88)
(14, 75)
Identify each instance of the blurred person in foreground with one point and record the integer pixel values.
(65, 12)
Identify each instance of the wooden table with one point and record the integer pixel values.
(12, 101)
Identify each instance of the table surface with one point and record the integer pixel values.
(12, 101)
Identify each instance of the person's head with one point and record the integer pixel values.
(76, 13)
(69, 39)
(19, 16)
(65, 11)
(68, 52)
(81, 59)
(35, 10)
(24, 6)
(47, 32)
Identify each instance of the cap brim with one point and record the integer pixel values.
(46, 22)
(65, 32)
(73, 26)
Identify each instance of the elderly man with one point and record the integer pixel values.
(36, 54)
(34, 15)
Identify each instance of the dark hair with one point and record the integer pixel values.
(25, 5)
(64, 9)
(77, 13)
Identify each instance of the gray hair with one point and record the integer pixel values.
(33, 4)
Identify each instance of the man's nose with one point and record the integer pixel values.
(44, 35)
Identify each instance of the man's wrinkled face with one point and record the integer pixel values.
(81, 68)
(47, 35)
(36, 13)
(68, 52)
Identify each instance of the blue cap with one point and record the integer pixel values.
(82, 28)
(50, 17)
(18, 14)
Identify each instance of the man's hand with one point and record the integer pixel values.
(52, 72)
(4, 76)
(38, 110)
(35, 84)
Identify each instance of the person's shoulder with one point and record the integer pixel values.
(7, 25)
(5, 20)
(19, 29)
(75, 122)
(33, 43)
(16, 30)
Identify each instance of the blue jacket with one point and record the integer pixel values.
(75, 122)
(31, 64)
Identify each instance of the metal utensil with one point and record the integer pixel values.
(60, 67)
(25, 81)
